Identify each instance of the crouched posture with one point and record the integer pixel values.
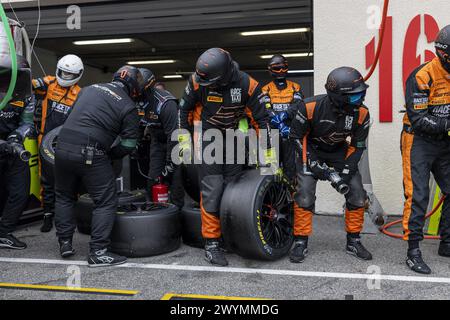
(426, 149)
(336, 126)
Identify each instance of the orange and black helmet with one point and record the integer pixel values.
(278, 66)
(346, 86)
(214, 67)
(133, 80)
(442, 45)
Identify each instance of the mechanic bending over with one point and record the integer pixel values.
(16, 123)
(161, 119)
(329, 121)
(221, 95)
(55, 97)
(425, 148)
(84, 154)
(282, 99)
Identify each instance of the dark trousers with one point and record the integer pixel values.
(48, 187)
(421, 157)
(100, 182)
(305, 197)
(158, 156)
(15, 177)
(287, 158)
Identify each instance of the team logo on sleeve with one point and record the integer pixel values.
(348, 123)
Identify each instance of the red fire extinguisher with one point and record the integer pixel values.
(160, 192)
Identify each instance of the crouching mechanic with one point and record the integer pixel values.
(102, 113)
(282, 98)
(426, 148)
(329, 121)
(16, 123)
(161, 119)
(55, 97)
(219, 95)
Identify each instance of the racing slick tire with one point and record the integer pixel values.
(85, 205)
(257, 216)
(143, 230)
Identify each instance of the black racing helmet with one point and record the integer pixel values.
(132, 78)
(442, 45)
(278, 66)
(214, 67)
(149, 78)
(346, 86)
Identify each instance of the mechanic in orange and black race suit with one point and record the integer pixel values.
(55, 96)
(425, 147)
(16, 123)
(221, 95)
(283, 97)
(337, 126)
(161, 120)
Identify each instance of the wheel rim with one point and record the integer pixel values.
(276, 216)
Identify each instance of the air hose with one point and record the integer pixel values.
(12, 51)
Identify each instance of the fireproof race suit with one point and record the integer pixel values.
(285, 100)
(16, 123)
(425, 146)
(338, 139)
(53, 106)
(220, 108)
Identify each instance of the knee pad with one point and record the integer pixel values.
(212, 189)
(356, 200)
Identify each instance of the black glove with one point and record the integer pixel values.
(5, 148)
(347, 174)
(167, 172)
(319, 170)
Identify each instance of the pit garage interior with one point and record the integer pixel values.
(176, 32)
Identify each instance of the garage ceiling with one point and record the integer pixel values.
(172, 29)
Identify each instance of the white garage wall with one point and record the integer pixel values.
(340, 35)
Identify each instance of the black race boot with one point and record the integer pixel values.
(48, 222)
(214, 254)
(355, 248)
(65, 248)
(415, 262)
(8, 241)
(104, 258)
(299, 251)
(444, 249)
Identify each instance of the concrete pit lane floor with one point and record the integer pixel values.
(327, 274)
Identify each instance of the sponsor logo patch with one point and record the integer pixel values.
(215, 99)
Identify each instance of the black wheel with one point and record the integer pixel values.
(142, 230)
(85, 205)
(47, 150)
(191, 224)
(256, 216)
(191, 181)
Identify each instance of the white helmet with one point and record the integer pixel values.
(69, 70)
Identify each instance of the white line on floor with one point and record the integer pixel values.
(293, 273)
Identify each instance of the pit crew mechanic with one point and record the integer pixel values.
(83, 155)
(161, 120)
(329, 121)
(219, 95)
(55, 97)
(16, 123)
(282, 98)
(425, 148)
